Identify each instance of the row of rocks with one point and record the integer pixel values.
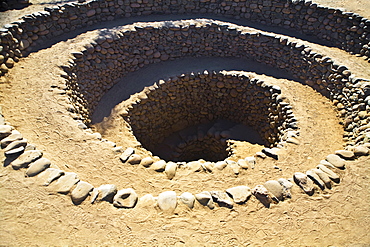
(129, 156)
(345, 30)
(27, 156)
(201, 98)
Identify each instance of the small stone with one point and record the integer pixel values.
(262, 194)
(315, 178)
(14, 136)
(243, 164)
(167, 201)
(336, 161)
(287, 186)
(194, 166)
(345, 154)
(134, 159)
(5, 130)
(222, 198)
(235, 167)
(205, 199)
(188, 199)
(50, 174)
(90, 12)
(209, 166)
(82, 126)
(65, 183)
(304, 182)
(126, 154)
(15, 151)
(332, 175)
(25, 159)
(271, 152)
(251, 161)
(81, 192)
(16, 144)
(361, 151)
(170, 170)
(275, 188)
(146, 201)
(159, 166)
(126, 198)
(220, 165)
(38, 166)
(24, 44)
(147, 161)
(107, 192)
(261, 155)
(324, 177)
(327, 164)
(240, 194)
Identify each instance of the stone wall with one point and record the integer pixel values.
(193, 99)
(347, 31)
(97, 68)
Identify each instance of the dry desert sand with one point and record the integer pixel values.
(34, 215)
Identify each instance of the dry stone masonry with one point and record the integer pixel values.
(249, 101)
(345, 30)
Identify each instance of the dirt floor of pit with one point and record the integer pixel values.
(33, 215)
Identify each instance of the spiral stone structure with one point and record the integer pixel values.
(252, 138)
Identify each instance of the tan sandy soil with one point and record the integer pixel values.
(33, 215)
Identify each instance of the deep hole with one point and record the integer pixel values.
(208, 141)
(192, 116)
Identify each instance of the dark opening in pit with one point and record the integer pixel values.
(192, 116)
(208, 141)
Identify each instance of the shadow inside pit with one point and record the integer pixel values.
(6, 5)
(135, 82)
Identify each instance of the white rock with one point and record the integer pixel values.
(222, 198)
(240, 194)
(304, 182)
(49, 175)
(126, 154)
(159, 166)
(262, 194)
(205, 199)
(25, 159)
(336, 161)
(147, 161)
(324, 177)
(167, 201)
(170, 170)
(126, 198)
(65, 183)
(188, 199)
(105, 192)
(332, 175)
(275, 188)
(220, 165)
(315, 178)
(134, 159)
(38, 166)
(81, 192)
(243, 164)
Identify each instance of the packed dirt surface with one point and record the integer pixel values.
(34, 102)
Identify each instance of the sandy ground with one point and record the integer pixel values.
(33, 215)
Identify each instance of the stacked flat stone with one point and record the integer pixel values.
(225, 95)
(345, 30)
